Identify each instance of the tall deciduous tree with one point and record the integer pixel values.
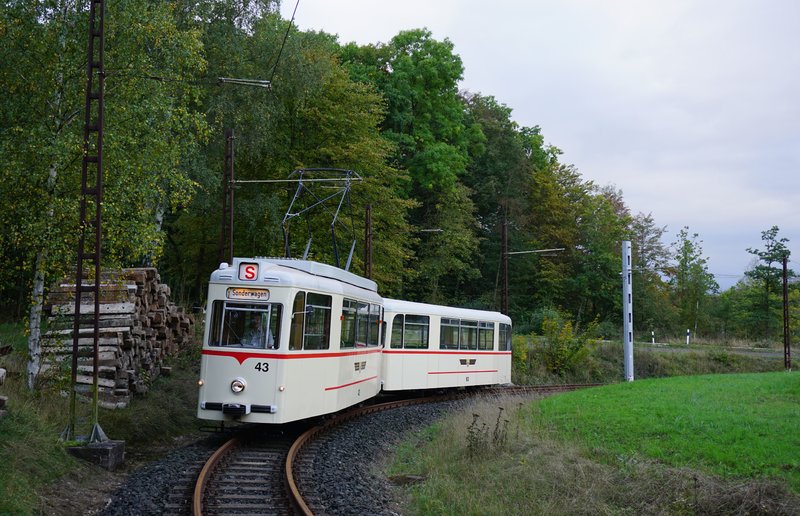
(690, 279)
(150, 127)
(766, 274)
(313, 116)
(418, 76)
(652, 307)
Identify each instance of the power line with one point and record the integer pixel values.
(283, 43)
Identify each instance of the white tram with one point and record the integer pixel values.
(287, 340)
(432, 346)
(293, 339)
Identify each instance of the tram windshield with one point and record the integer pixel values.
(245, 325)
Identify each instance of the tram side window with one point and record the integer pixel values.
(505, 337)
(373, 338)
(311, 322)
(397, 331)
(417, 331)
(349, 310)
(469, 335)
(298, 321)
(449, 334)
(317, 332)
(485, 336)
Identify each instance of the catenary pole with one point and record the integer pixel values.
(627, 309)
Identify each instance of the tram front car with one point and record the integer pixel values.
(267, 350)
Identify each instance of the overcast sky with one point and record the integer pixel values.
(690, 107)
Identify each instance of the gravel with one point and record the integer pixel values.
(163, 486)
(345, 464)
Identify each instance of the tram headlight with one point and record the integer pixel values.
(238, 385)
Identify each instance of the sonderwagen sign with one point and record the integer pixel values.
(258, 294)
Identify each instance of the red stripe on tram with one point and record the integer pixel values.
(349, 384)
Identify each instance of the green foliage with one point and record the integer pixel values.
(151, 125)
(561, 349)
(691, 281)
(444, 171)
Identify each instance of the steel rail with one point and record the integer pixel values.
(205, 473)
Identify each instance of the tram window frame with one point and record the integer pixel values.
(468, 335)
(311, 310)
(505, 337)
(417, 332)
(396, 342)
(230, 322)
(485, 336)
(349, 327)
(374, 325)
(448, 333)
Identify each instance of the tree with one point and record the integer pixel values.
(425, 121)
(150, 128)
(767, 274)
(652, 308)
(690, 279)
(314, 115)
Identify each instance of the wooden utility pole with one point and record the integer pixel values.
(368, 242)
(787, 352)
(226, 232)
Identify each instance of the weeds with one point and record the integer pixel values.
(478, 438)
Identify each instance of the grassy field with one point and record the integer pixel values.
(731, 425)
(692, 445)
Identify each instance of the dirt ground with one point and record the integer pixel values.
(88, 489)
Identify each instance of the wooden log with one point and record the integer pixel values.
(107, 309)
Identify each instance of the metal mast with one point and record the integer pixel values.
(627, 309)
(89, 244)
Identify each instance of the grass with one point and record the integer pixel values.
(31, 455)
(730, 425)
(659, 446)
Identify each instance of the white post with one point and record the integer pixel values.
(688, 332)
(653, 337)
(627, 309)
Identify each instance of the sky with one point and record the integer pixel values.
(690, 107)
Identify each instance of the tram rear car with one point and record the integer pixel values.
(287, 340)
(431, 346)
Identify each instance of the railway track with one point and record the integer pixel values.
(258, 473)
(245, 476)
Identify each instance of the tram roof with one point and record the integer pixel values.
(272, 270)
(410, 307)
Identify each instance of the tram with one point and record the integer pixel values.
(289, 339)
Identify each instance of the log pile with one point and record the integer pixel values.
(139, 327)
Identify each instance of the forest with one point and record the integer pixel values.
(444, 171)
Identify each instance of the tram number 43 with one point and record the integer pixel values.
(262, 366)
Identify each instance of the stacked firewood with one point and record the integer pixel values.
(138, 328)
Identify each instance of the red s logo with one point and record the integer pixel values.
(248, 271)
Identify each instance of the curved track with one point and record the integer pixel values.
(245, 476)
(255, 474)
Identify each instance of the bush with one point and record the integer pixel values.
(563, 350)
